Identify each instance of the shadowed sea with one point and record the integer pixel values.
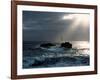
(55, 56)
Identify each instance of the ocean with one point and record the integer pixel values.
(35, 56)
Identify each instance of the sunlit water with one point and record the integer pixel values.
(37, 57)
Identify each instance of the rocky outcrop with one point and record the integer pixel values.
(47, 45)
(66, 45)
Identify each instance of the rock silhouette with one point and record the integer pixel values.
(66, 45)
(47, 45)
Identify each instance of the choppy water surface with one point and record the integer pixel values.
(56, 56)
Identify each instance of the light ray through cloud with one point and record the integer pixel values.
(80, 21)
(56, 25)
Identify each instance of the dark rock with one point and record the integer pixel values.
(66, 45)
(47, 45)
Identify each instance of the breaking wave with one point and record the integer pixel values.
(55, 57)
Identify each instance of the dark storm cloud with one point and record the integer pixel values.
(49, 26)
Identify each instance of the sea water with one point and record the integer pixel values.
(35, 56)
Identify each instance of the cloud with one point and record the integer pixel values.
(51, 26)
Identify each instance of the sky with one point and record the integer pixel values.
(55, 26)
